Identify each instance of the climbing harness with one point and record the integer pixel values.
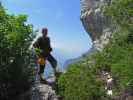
(41, 61)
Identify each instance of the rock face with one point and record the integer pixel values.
(95, 23)
(39, 92)
(43, 92)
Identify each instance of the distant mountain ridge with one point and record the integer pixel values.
(71, 61)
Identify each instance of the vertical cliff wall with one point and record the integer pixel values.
(95, 23)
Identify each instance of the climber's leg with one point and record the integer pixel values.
(41, 69)
(41, 72)
(52, 61)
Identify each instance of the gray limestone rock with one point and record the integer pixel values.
(95, 23)
(43, 92)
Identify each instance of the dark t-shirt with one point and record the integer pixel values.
(44, 44)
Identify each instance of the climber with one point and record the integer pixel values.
(43, 44)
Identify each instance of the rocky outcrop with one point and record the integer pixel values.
(95, 23)
(39, 92)
(43, 92)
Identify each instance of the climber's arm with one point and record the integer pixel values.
(36, 44)
(49, 44)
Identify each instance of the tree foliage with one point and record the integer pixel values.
(118, 53)
(121, 12)
(15, 38)
(80, 82)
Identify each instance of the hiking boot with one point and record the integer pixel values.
(42, 79)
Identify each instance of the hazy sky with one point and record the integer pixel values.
(62, 17)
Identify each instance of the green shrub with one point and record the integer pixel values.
(15, 38)
(80, 83)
